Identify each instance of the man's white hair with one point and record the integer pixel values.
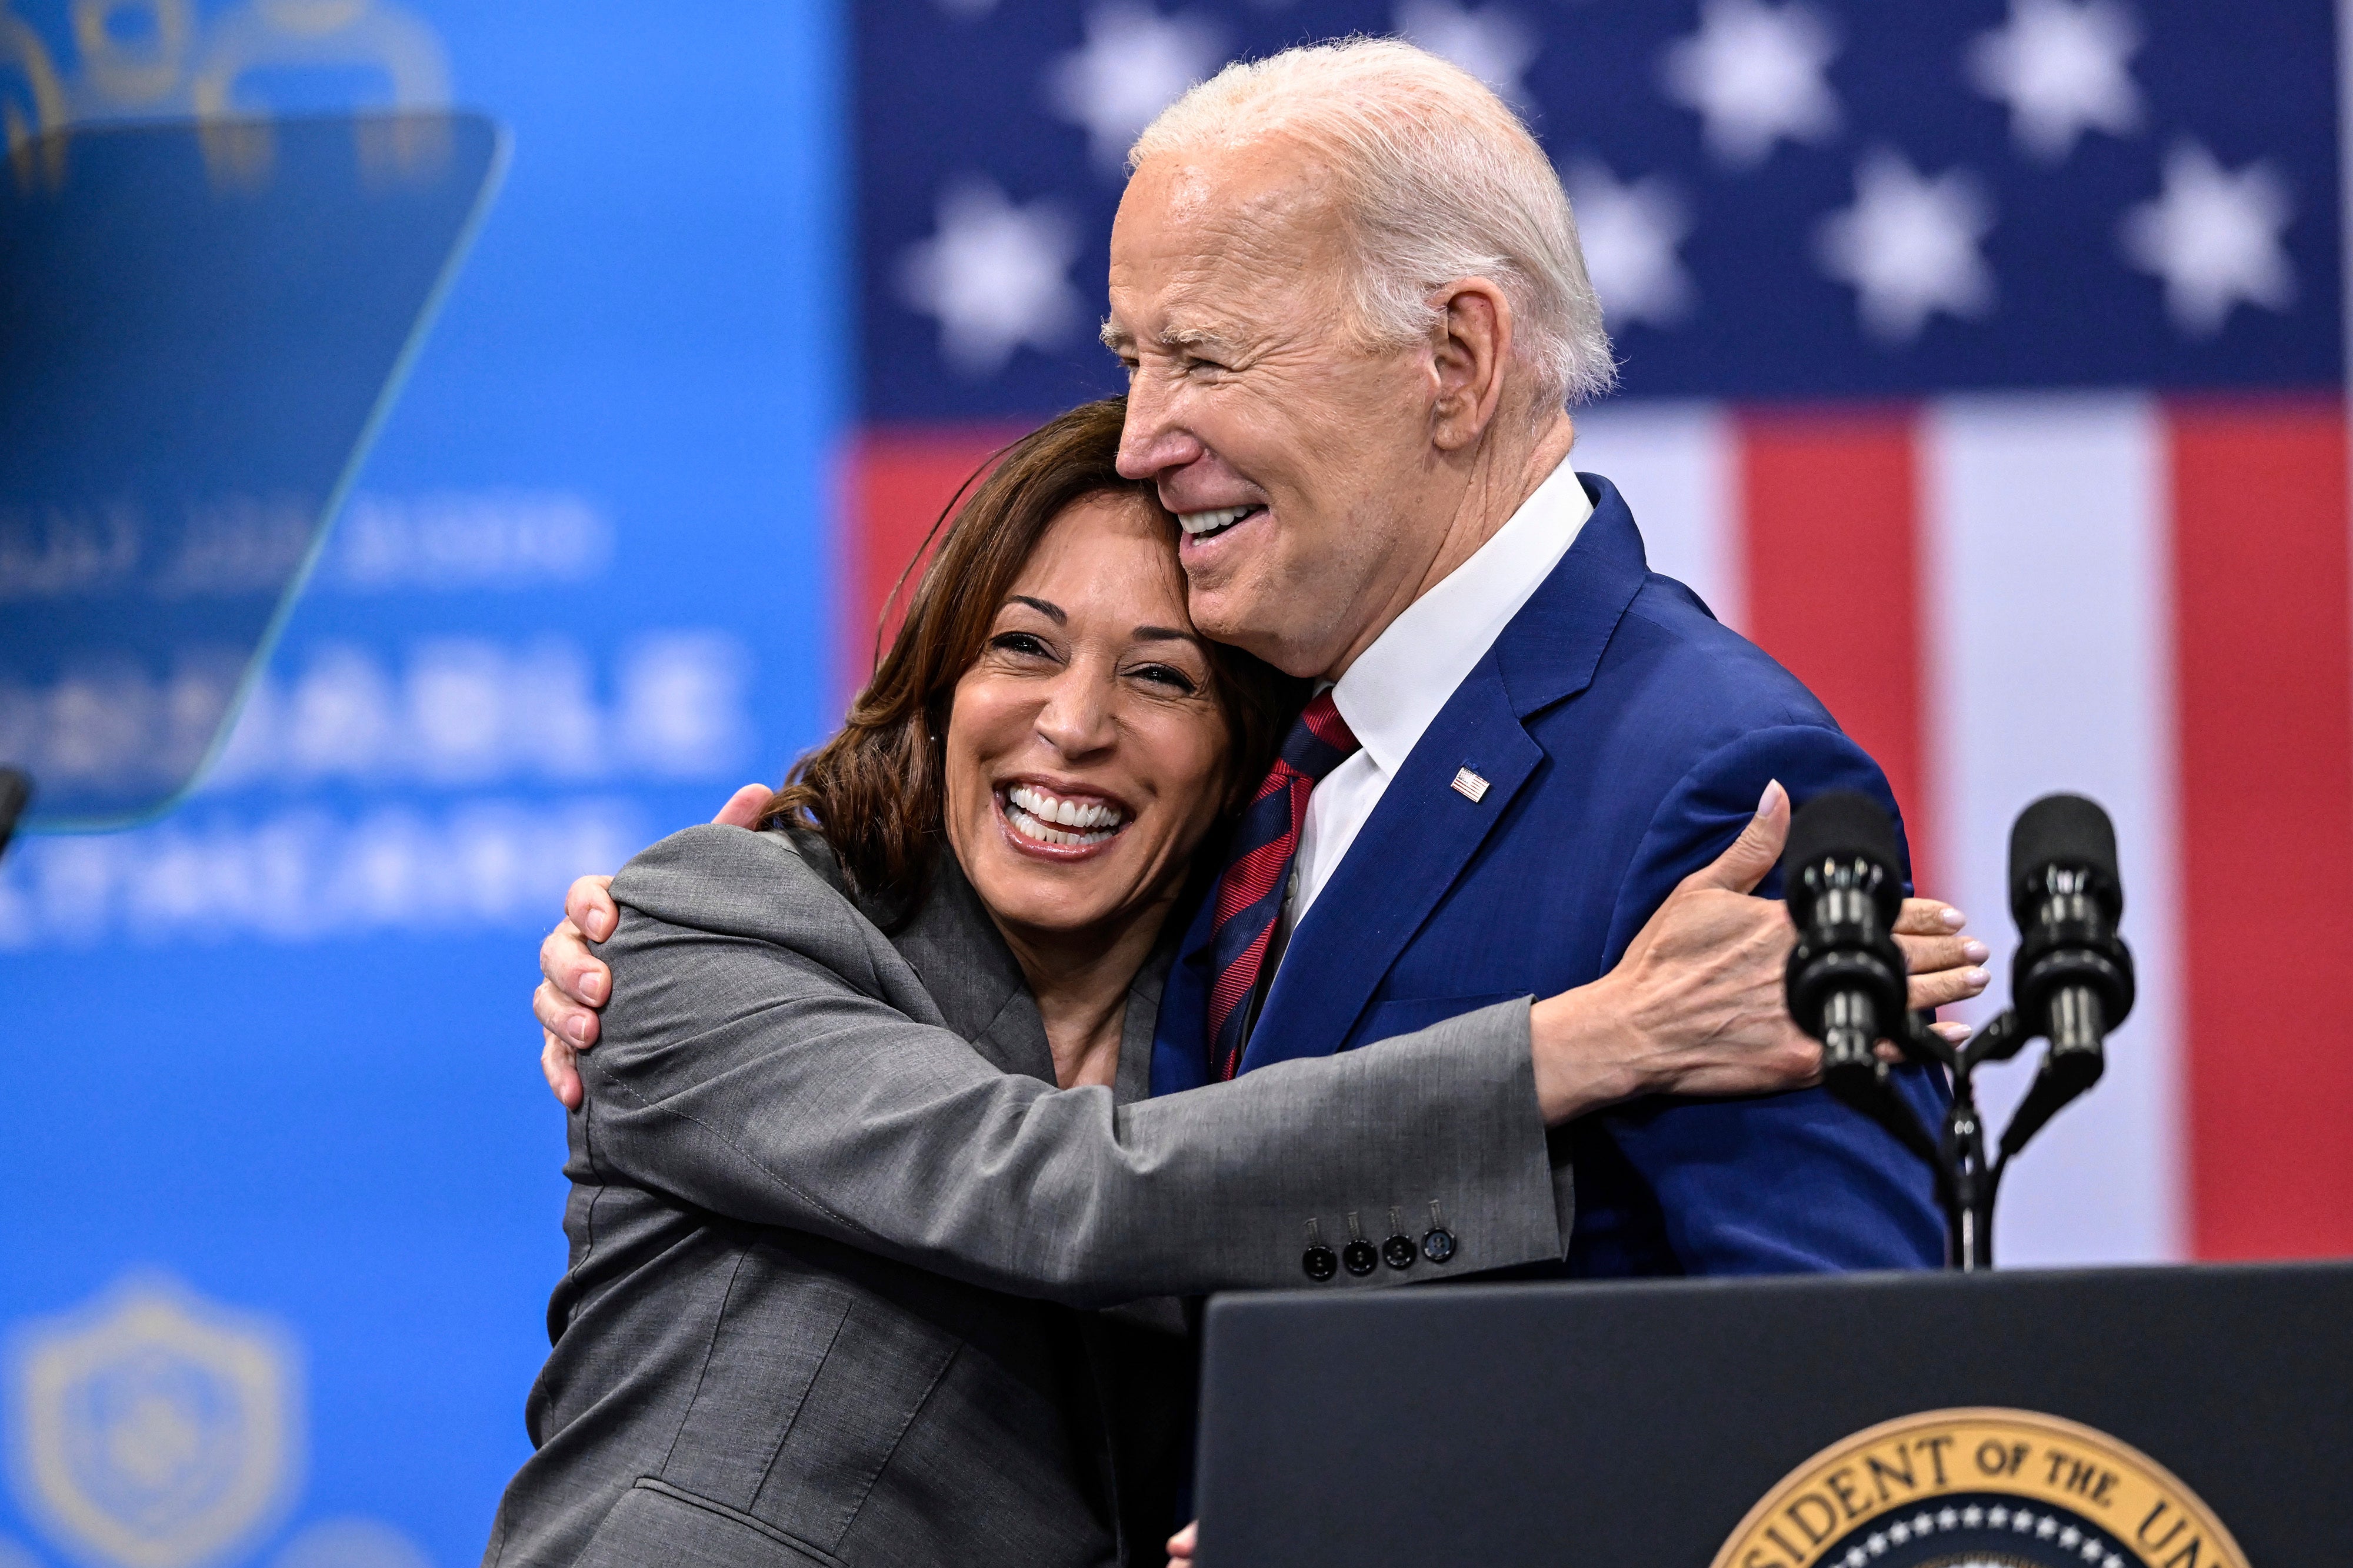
(1439, 181)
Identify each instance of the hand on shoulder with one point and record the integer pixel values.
(1695, 1007)
(575, 984)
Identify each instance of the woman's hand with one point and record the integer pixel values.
(1180, 1546)
(1695, 1007)
(575, 984)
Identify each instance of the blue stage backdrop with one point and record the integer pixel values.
(283, 1197)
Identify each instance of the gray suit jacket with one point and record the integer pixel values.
(830, 1216)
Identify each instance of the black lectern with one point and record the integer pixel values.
(2116, 1418)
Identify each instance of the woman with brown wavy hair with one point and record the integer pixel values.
(879, 792)
(866, 1126)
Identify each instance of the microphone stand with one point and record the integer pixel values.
(1967, 1182)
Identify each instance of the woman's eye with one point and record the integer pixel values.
(1165, 675)
(1027, 644)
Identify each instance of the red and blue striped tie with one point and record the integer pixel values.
(1251, 889)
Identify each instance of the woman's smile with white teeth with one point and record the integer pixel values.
(1050, 819)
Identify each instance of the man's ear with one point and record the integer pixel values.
(1470, 343)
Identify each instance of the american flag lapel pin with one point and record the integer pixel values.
(1468, 785)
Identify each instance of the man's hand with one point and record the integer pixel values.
(1180, 1546)
(1695, 1007)
(576, 984)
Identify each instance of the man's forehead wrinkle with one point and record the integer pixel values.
(1231, 252)
(1265, 185)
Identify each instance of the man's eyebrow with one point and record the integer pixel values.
(1196, 338)
(1116, 338)
(1052, 612)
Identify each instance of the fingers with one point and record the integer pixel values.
(1945, 966)
(1945, 985)
(1180, 1546)
(1952, 1034)
(743, 807)
(565, 1019)
(567, 965)
(1753, 855)
(562, 1070)
(1928, 955)
(589, 906)
(1928, 917)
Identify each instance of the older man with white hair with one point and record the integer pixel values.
(1346, 284)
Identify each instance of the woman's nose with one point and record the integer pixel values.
(1076, 719)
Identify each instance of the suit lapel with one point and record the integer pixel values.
(1404, 858)
(954, 949)
(1423, 834)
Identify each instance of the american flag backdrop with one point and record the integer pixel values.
(1983, 361)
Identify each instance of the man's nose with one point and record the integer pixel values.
(1151, 441)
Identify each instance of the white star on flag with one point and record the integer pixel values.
(1909, 246)
(2060, 65)
(1628, 233)
(994, 276)
(1134, 65)
(1754, 73)
(2214, 238)
(1493, 44)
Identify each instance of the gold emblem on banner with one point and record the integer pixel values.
(155, 1429)
(1981, 1488)
(157, 58)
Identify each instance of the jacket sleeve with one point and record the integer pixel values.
(1789, 1183)
(767, 1057)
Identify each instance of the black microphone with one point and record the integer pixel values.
(1845, 982)
(2072, 980)
(16, 790)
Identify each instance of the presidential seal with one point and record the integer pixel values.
(153, 1429)
(1981, 1488)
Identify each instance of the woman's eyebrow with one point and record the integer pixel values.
(1162, 634)
(1052, 612)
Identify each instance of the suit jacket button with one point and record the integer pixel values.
(1398, 1252)
(1359, 1258)
(1320, 1262)
(1438, 1244)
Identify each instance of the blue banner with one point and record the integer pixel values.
(282, 1199)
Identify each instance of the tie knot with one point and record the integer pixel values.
(1320, 739)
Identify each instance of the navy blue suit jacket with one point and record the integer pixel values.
(1625, 736)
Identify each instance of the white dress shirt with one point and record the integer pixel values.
(1397, 686)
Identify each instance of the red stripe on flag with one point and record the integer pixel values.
(1830, 504)
(899, 482)
(2264, 657)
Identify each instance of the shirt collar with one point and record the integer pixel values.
(1395, 688)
